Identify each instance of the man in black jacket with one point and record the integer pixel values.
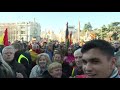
(19, 70)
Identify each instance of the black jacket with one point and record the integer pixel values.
(17, 67)
(47, 75)
(28, 65)
(67, 69)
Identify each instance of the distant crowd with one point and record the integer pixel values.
(94, 59)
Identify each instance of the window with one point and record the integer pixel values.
(22, 32)
(22, 27)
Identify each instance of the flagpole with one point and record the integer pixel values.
(66, 36)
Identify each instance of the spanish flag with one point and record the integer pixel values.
(1, 39)
(4, 38)
(70, 37)
(6, 42)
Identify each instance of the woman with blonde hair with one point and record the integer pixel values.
(66, 68)
(55, 71)
(39, 70)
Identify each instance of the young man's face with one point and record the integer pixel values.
(56, 73)
(96, 64)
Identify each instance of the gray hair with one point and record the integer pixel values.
(8, 47)
(78, 51)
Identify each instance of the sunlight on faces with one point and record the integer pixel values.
(78, 61)
(57, 58)
(8, 54)
(116, 44)
(69, 50)
(78, 58)
(55, 70)
(96, 64)
(42, 61)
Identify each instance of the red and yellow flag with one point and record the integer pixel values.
(4, 38)
(1, 39)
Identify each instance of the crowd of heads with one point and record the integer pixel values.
(94, 59)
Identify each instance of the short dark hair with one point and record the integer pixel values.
(102, 45)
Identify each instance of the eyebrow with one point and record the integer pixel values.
(91, 59)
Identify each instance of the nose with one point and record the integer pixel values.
(88, 67)
(60, 71)
(8, 54)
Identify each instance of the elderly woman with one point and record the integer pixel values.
(39, 70)
(55, 71)
(66, 68)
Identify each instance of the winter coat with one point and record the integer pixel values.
(18, 68)
(36, 72)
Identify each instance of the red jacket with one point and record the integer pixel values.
(80, 76)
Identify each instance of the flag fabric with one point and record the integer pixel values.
(70, 37)
(67, 32)
(67, 36)
(5, 39)
(1, 39)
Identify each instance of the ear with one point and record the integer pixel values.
(51, 73)
(113, 62)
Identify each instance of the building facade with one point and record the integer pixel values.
(22, 31)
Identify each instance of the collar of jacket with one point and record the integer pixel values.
(115, 73)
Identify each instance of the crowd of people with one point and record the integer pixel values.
(95, 59)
